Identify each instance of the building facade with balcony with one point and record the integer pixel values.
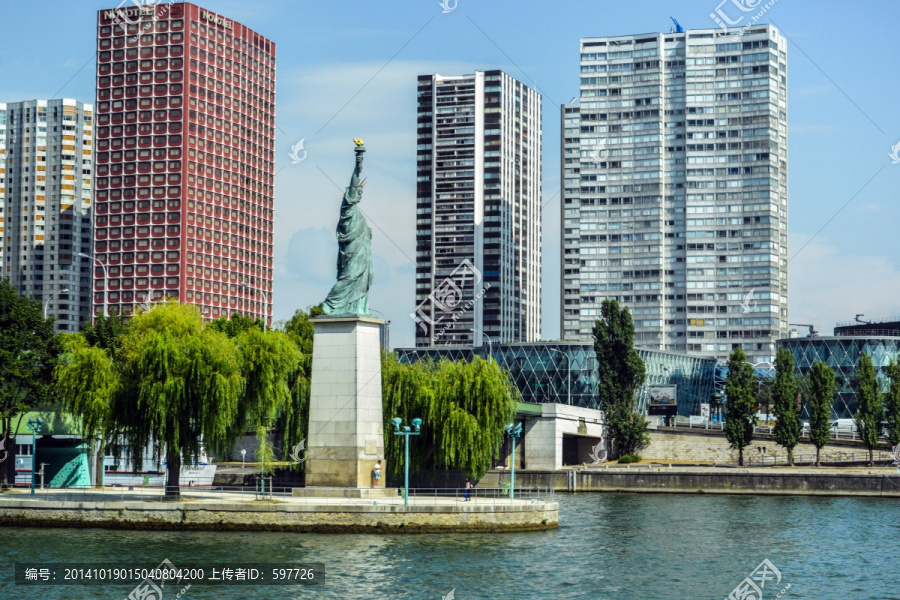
(46, 172)
(674, 167)
(478, 210)
(185, 141)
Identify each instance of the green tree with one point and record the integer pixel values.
(180, 382)
(892, 404)
(621, 374)
(870, 405)
(464, 406)
(784, 400)
(177, 380)
(820, 397)
(237, 324)
(740, 407)
(86, 380)
(764, 400)
(28, 351)
(301, 327)
(268, 362)
(105, 333)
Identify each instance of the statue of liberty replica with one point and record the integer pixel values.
(350, 295)
(346, 429)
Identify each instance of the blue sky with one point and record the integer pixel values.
(348, 69)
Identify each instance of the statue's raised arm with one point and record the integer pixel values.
(350, 295)
(360, 154)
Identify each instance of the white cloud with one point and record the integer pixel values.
(814, 90)
(814, 129)
(827, 286)
(382, 113)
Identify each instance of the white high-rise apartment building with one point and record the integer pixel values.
(478, 210)
(674, 161)
(45, 204)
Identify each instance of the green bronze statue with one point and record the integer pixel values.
(350, 295)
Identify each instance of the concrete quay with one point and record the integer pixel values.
(236, 511)
(662, 478)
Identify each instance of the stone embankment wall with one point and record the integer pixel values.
(709, 480)
(710, 446)
(275, 517)
(774, 483)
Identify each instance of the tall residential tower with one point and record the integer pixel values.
(478, 210)
(185, 161)
(45, 205)
(674, 162)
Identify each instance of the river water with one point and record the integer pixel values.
(608, 546)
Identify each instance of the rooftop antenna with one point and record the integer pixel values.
(858, 320)
(812, 329)
(678, 27)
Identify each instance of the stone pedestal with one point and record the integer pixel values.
(346, 428)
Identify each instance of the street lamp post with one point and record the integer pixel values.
(105, 283)
(490, 343)
(568, 376)
(265, 296)
(34, 424)
(47, 303)
(513, 432)
(102, 459)
(265, 448)
(406, 432)
(386, 338)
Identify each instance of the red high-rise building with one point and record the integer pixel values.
(184, 161)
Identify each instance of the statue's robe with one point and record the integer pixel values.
(350, 295)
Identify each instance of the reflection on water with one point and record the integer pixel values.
(621, 546)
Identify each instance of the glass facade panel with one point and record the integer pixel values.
(541, 372)
(842, 354)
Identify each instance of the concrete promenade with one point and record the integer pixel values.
(144, 508)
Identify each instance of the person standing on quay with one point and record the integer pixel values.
(468, 487)
(377, 472)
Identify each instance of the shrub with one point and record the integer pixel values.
(630, 458)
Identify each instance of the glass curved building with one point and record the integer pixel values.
(566, 372)
(842, 354)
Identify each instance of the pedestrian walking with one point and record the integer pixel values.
(468, 487)
(377, 472)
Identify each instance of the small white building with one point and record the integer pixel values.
(558, 434)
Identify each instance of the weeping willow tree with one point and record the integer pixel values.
(180, 383)
(268, 361)
(86, 380)
(465, 408)
(237, 324)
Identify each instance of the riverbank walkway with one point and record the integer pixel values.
(249, 510)
(418, 498)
